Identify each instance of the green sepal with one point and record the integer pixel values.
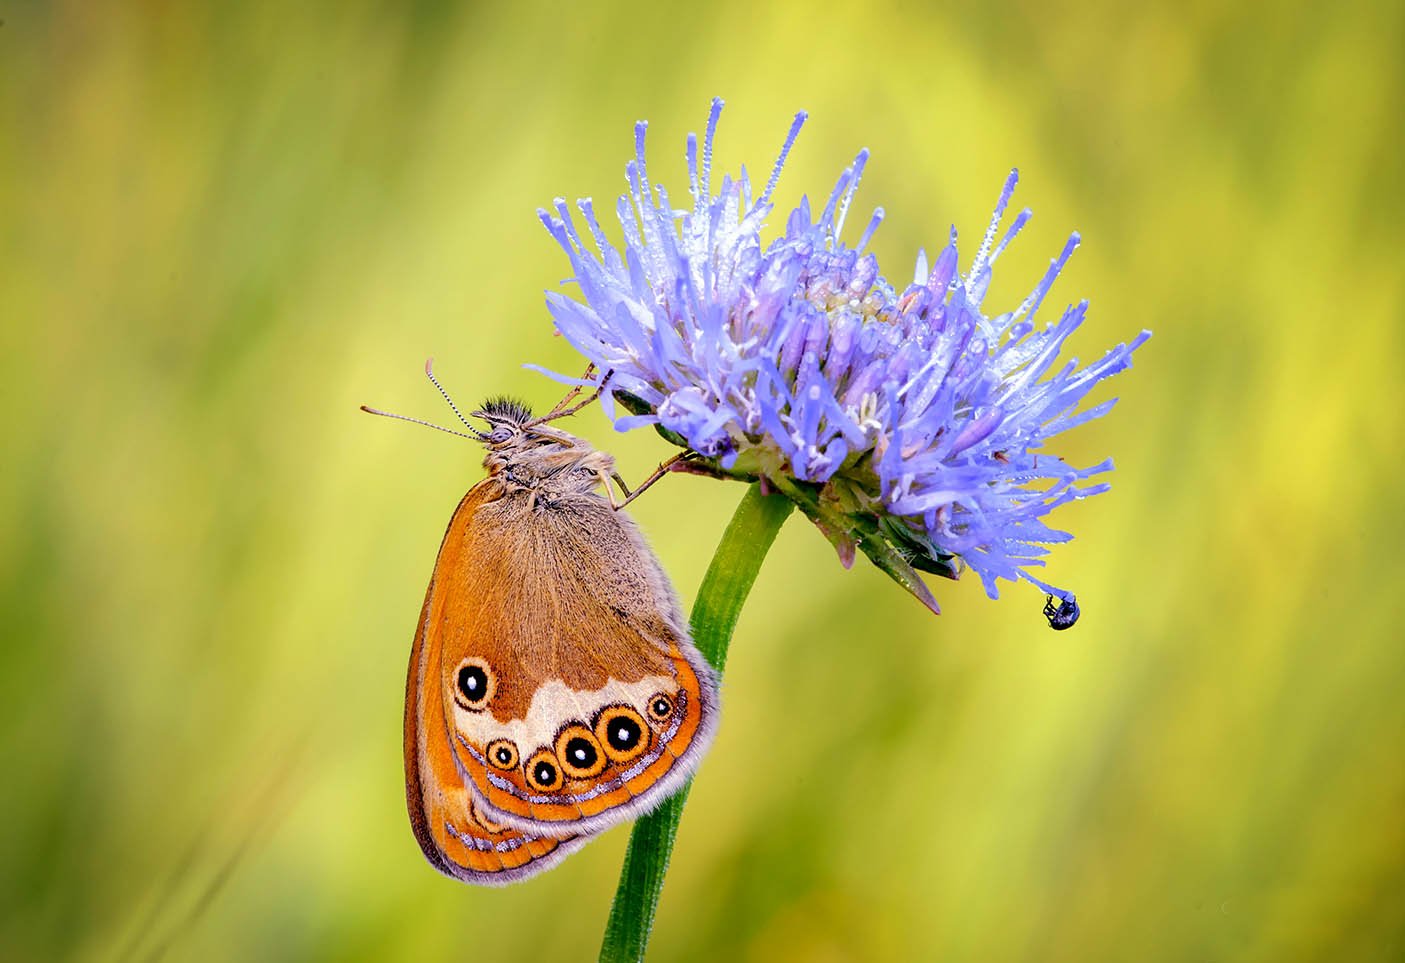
(920, 551)
(863, 531)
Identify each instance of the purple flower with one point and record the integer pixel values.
(909, 424)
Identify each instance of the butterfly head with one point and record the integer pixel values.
(526, 447)
(507, 419)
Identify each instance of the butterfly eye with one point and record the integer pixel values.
(474, 684)
(622, 733)
(500, 434)
(579, 752)
(660, 707)
(542, 771)
(502, 754)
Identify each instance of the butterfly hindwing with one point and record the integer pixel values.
(572, 693)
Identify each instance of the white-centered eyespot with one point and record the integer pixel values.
(622, 732)
(579, 752)
(474, 683)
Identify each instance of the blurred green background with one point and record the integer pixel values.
(224, 226)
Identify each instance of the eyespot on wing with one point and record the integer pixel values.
(645, 754)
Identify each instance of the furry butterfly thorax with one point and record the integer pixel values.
(553, 687)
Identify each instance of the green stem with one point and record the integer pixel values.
(724, 588)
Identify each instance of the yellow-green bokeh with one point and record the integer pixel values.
(224, 226)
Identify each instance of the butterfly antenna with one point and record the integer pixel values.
(473, 433)
(429, 373)
(476, 436)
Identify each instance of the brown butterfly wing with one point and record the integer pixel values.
(448, 820)
(575, 697)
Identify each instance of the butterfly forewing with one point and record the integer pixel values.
(456, 836)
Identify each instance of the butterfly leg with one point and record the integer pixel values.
(561, 410)
(670, 465)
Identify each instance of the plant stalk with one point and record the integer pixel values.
(724, 588)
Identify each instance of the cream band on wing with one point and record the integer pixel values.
(555, 704)
(643, 762)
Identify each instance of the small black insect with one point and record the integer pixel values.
(1061, 612)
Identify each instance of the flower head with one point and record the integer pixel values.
(909, 424)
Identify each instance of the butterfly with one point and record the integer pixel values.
(553, 687)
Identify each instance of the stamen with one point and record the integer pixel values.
(711, 132)
(795, 126)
